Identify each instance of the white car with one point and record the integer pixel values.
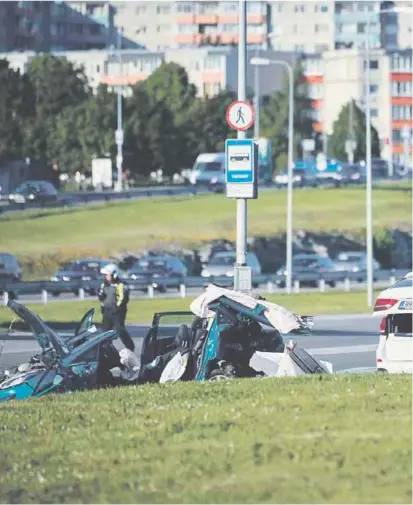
(394, 353)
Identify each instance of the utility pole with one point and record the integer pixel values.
(257, 98)
(119, 131)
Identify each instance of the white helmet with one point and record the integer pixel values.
(110, 269)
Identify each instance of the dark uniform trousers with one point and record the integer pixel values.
(114, 298)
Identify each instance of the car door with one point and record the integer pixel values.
(399, 344)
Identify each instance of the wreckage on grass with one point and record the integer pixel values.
(233, 335)
(226, 335)
(84, 361)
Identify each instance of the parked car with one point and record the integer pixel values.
(354, 261)
(34, 192)
(150, 270)
(209, 171)
(308, 264)
(10, 270)
(302, 177)
(394, 352)
(353, 174)
(222, 264)
(87, 269)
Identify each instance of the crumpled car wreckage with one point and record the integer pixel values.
(227, 335)
(87, 360)
(232, 336)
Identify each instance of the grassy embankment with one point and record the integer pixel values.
(42, 239)
(344, 439)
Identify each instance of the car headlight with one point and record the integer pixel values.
(356, 269)
(214, 180)
(156, 276)
(54, 279)
(205, 273)
(86, 278)
(230, 273)
(67, 279)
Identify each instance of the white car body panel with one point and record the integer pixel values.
(394, 353)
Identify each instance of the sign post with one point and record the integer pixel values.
(240, 116)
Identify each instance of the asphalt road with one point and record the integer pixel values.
(348, 342)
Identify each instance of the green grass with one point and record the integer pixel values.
(332, 439)
(141, 311)
(135, 225)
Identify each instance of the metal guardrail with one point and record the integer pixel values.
(270, 283)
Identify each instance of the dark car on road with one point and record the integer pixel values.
(302, 177)
(39, 192)
(355, 261)
(309, 264)
(10, 270)
(79, 270)
(153, 270)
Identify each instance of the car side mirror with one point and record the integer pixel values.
(57, 380)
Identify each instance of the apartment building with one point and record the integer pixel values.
(54, 26)
(302, 26)
(337, 77)
(159, 25)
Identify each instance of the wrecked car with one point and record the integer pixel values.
(227, 335)
(86, 360)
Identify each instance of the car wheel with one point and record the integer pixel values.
(382, 370)
(55, 295)
(332, 284)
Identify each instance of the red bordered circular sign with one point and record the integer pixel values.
(240, 115)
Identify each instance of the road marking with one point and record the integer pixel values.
(351, 349)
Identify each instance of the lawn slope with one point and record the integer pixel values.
(343, 439)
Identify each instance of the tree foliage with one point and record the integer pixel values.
(52, 115)
(341, 133)
(275, 118)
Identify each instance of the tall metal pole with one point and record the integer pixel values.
(241, 202)
(119, 132)
(289, 248)
(391, 168)
(257, 99)
(369, 210)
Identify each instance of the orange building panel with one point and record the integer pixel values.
(401, 100)
(255, 38)
(402, 77)
(186, 38)
(398, 124)
(317, 104)
(124, 80)
(318, 126)
(185, 19)
(313, 79)
(206, 19)
(399, 149)
(229, 19)
(255, 19)
(212, 76)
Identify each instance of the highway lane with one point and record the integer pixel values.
(348, 342)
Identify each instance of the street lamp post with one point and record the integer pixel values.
(369, 210)
(119, 131)
(289, 247)
(257, 100)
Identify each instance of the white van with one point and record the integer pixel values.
(209, 170)
(394, 353)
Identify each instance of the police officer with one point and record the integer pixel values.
(114, 297)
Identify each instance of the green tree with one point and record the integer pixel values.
(341, 133)
(57, 85)
(16, 106)
(274, 118)
(208, 125)
(150, 135)
(170, 85)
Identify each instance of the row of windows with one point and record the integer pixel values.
(218, 7)
(397, 136)
(348, 6)
(213, 29)
(132, 67)
(401, 112)
(310, 7)
(211, 88)
(401, 88)
(357, 28)
(403, 63)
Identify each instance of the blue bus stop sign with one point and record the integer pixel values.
(241, 161)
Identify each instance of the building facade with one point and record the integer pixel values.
(176, 24)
